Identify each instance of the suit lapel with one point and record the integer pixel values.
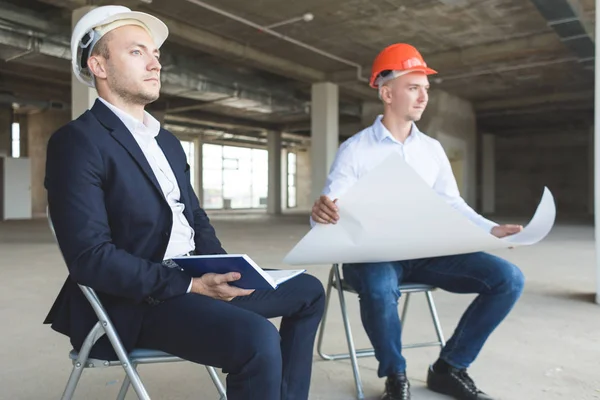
(120, 132)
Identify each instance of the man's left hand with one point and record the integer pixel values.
(501, 231)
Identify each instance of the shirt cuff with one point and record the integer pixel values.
(487, 225)
(190, 287)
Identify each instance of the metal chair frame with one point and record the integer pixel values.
(129, 361)
(335, 281)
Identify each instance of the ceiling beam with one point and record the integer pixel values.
(211, 43)
(568, 128)
(216, 121)
(567, 19)
(70, 4)
(546, 43)
(533, 100)
(576, 106)
(587, 23)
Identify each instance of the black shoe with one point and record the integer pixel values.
(456, 383)
(397, 387)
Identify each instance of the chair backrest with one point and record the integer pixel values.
(104, 324)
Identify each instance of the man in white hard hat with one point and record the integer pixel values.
(122, 205)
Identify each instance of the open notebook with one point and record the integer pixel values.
(253, 276)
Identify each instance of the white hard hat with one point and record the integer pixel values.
(98, 22)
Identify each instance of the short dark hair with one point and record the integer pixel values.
(101, 47)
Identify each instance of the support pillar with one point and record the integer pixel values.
(274, 191)
(597, 157)
(5, 131)
(324, 133)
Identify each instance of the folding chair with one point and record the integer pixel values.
(335, 281)
(129, 362)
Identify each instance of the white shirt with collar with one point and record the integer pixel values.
(368, 148)
(182, 235)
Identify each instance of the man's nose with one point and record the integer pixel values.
(154, 64)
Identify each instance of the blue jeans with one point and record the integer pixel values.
(498, 283)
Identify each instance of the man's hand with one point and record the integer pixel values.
(325, 211)
(501, 231)
(217, 286)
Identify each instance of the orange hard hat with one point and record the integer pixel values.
(398, 57)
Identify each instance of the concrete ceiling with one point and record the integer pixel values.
(513, 59)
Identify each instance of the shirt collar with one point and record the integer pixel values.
(150, 126)
(381, 132)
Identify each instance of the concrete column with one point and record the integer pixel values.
(199, 182)
(24, 134)
(5, 131)
(274, 193)
(82, 96)
(324, 133)
(488, 184)
(597, 157)
(40, 127)
(451, 120)
(304, 199)
(284, 178)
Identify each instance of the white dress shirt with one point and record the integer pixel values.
(368, 148)
(182, 235)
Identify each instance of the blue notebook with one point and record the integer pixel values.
(253, 276)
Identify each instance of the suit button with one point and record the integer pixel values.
(167, 233)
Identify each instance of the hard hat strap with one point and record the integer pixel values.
(87, 43)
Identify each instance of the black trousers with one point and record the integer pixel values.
(261, 362)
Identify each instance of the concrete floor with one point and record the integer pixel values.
(547, 349)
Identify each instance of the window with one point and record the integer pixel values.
(15, 136)
(291, 180)
(188, 148)
(234, 177)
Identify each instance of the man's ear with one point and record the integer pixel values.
(97, 66)
(385, 93)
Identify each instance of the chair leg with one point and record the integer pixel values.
(73, 380)
(82, 358)
(349, 339)
(218, 384)
(126, 363)
(404, 310)
(125, 385)
(434, 317)
(322, 354)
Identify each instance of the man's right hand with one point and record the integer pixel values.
(325, 211)
(217, 286)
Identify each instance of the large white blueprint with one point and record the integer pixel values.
(392, 214)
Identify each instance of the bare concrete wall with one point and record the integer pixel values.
(39, 128)
(525, 164)
(451, 120)
(5, 131)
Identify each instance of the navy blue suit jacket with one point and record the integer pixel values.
(113, 224)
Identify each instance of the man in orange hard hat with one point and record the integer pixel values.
(400, 75)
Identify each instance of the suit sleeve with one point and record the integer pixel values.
(205, 237)
(74, 181)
